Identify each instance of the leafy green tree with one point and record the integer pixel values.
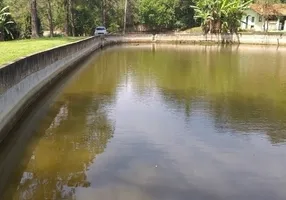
(158, 14)
(185, 15)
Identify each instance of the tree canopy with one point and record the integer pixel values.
(80, 17)
(32, 18)
(160, 13)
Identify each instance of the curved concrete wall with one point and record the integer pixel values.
(23, 81)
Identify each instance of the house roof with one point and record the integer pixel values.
(270, 9)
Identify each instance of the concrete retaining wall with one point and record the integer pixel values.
(21, 82)
(116, 39)
(201, 39)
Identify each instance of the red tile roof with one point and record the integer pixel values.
(269, 9)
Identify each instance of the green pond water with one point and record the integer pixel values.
(166, 122)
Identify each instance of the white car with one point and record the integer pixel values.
(100, 30)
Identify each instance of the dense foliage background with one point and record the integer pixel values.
(79, 17)
(33, 18)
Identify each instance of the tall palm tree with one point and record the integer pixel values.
(4, 21)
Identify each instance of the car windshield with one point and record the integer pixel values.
(100, 28)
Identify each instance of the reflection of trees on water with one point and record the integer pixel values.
(242, 91)
(76, 129)
(180, 100)
(250, 114)
(70, 143)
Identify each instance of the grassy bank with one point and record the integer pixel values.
(13, 50)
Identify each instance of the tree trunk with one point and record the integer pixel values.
(34, 19)
(125, 13)
(67, 32)
(50, 18)
(71, 15)
(103, 13)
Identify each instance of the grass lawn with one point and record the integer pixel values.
(13, 50)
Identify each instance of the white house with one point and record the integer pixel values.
(261, 17)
